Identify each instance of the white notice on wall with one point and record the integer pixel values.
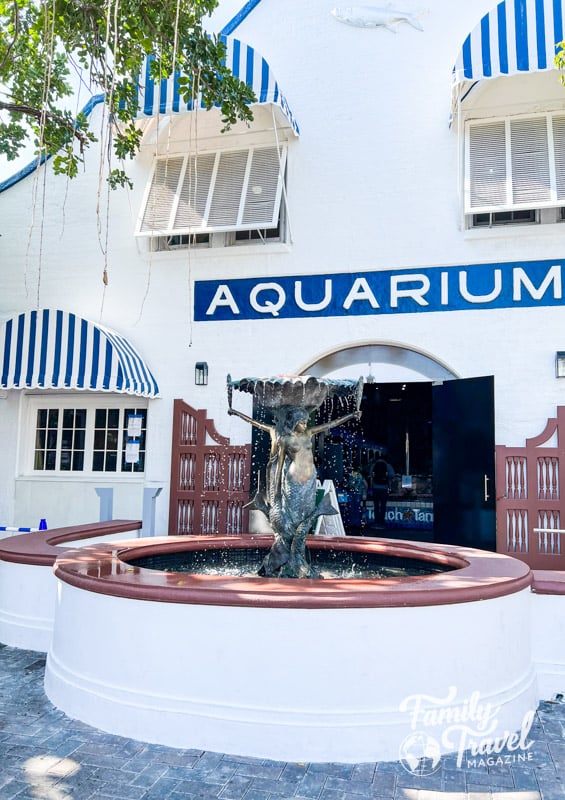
(132, 452)
(134, 426)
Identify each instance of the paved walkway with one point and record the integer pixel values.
(47, 756)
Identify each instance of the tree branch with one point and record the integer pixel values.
(38, 114)
(13, 42)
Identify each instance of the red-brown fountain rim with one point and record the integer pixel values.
(103, 568)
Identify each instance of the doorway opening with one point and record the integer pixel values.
(435, 429)
(395, 427)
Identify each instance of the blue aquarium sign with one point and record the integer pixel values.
(475, 286)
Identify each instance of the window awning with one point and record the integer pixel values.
(515, 36)
(244, 61)
(52, 349)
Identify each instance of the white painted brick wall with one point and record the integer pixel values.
(372, 185)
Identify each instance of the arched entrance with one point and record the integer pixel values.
(380, 353)
(435, 428)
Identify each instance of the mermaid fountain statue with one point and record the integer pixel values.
(289, 498)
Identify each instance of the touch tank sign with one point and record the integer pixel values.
(509, 285)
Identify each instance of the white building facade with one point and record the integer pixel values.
(395, 210)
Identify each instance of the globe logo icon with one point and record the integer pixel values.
(420, 754)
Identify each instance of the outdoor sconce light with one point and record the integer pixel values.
(560, 364)
(201, 373)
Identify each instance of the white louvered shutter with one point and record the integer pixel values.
(194, 192)
(225, 191)
(559, 155)
(530, 162)
(487, 179)
(230, 177)
(263, 195)
(161, 196)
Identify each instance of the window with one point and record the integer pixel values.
(206, 194)
(515, 165)
(229, 239)
(493, 218)
(182, 241)
(258, 235)
(59, 439)
(91, 439)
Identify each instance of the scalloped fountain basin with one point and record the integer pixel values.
(301, 670)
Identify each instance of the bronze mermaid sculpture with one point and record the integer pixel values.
(289, 499)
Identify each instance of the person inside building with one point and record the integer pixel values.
(381, 482)
(356, 499)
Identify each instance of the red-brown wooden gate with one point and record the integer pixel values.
(529, 512)
(209, 482)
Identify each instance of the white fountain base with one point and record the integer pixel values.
(286, 683)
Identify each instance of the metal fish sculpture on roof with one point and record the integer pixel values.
(375, 17)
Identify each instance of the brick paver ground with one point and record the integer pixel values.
(45, 755)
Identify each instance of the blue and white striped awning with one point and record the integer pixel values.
(50, 349)
(516, 36)
(163, 97)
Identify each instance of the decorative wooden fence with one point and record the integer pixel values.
(209, 481)
(529, 513)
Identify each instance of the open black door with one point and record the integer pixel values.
(463, 462)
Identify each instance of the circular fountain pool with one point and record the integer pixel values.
(361, 562)
(308, 670)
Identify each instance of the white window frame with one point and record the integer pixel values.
(260, 237)
(244, 211)
(554, 184)
(33, 403)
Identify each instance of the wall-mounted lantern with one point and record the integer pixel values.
(201, 373)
